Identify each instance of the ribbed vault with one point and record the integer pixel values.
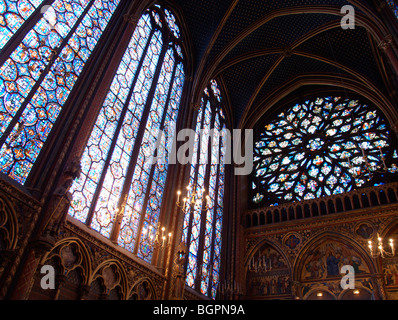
(255, 48)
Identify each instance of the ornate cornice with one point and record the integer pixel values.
(17, 194)
(365, 214)
(105, 249)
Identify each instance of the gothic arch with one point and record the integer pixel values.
(322, 290)
(138, 7)
(261, 244)
(71, 255)
(382, 102)
(112, 275)
(369, 21)
(368, 293)
(8, 225)
(143, 289)
(389, 228)
(338, 238)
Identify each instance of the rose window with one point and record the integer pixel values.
(320, 148)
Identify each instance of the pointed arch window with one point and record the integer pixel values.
(202, 229)
(120, 191)
(40, 73)
(322, 147)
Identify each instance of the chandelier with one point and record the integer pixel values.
(378, 249)
(193, 200)
(260, 265)
(156, 237)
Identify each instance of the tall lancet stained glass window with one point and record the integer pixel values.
(119, 193)
(202, 227)
(40, 73)
(322, 147)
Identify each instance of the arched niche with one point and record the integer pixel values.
(72, 267)
(268, 273)
(8, 226)
(359, 293)
(319, 266)
(143, 289)
(109, 282)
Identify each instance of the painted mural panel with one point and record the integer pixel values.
(268, 274)
(390, 270)
(326, 260)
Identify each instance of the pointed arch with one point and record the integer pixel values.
(71, 253)
(112, 276)
(143, 289)
(203, 206)
(267, 271)
(8, 225)
(126, 158)
(265, 242)
(325, 238)
(367, 19)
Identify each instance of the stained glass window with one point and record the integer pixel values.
(37, 78)
(203, 223)
(394, 6)
(321, 148)
(119, 193)
(13, 14)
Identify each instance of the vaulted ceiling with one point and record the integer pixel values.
(259, 49)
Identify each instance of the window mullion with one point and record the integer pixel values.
(45, 72)
(19, 35)
(204, 212)
(195, 180)
(117, 132)
(153, 168)
(214, 219)
(137, 147)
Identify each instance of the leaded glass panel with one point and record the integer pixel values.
(321, 148)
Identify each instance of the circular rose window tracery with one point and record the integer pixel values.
(320, 148)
